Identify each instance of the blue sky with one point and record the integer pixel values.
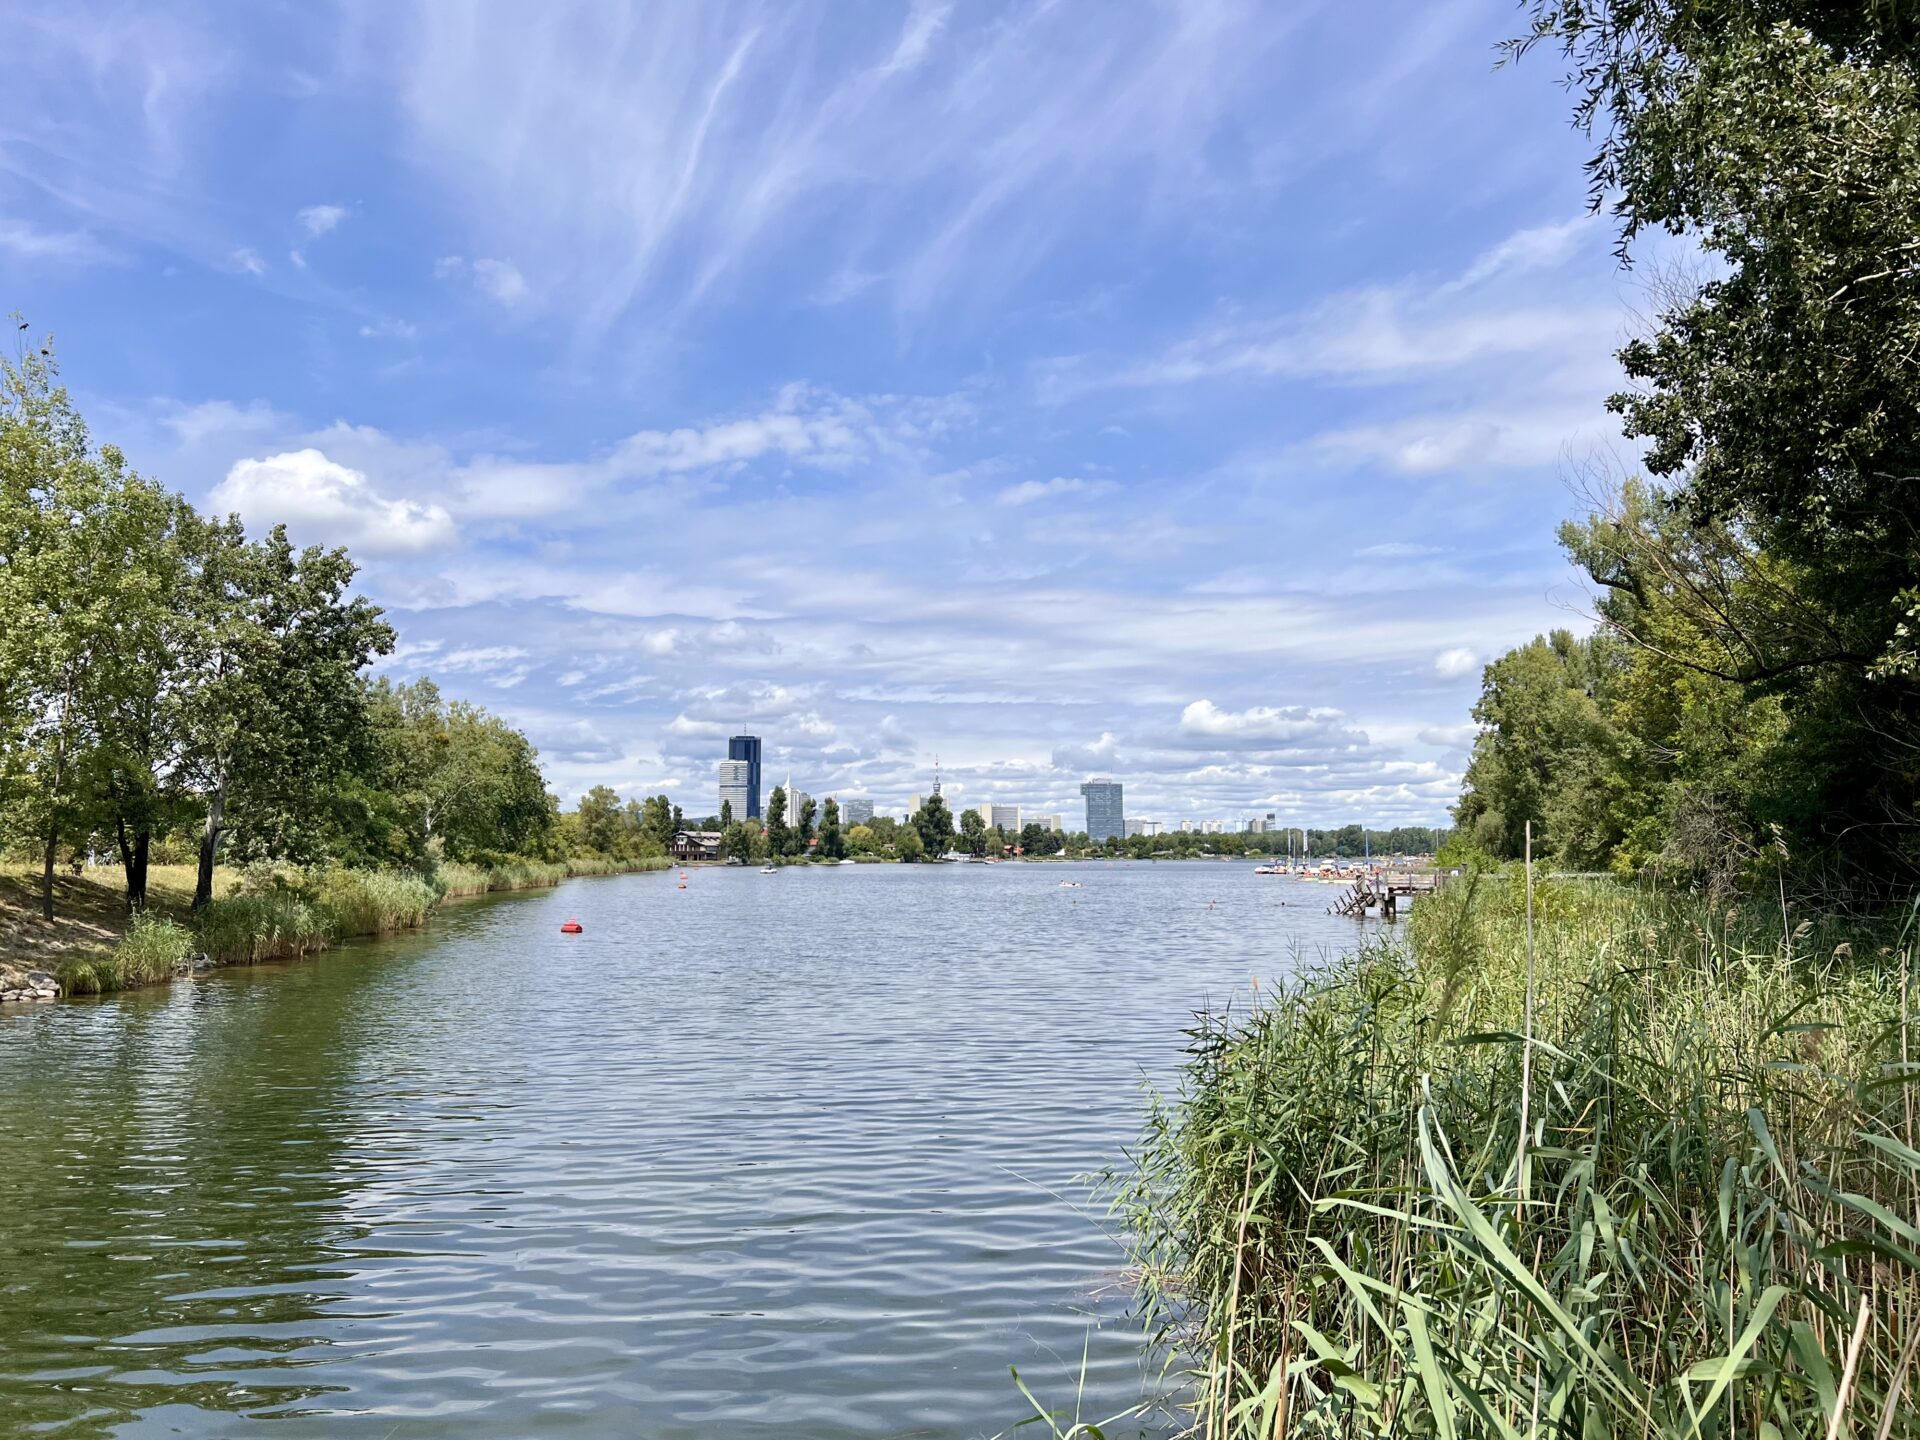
(1186, 392)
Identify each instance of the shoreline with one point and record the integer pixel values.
(92, 967)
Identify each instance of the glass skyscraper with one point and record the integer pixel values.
(1106, 816)
(747, 748)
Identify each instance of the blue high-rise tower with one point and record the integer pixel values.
(747, 748)
(1106, 813)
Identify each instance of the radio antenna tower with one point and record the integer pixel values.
(936, 774)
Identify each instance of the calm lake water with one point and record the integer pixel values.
(786, 1155)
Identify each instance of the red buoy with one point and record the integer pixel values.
(572, 927)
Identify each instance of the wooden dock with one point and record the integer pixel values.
(1386, 890)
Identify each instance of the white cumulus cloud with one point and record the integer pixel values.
(1455, 663)
(319, 219)
(326, 503)
(1258, 722)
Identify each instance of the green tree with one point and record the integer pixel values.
(934, 822)
(833, 845)
(1037, 839)
(779, 833)
(1783, 139)
(449, 780)
(1540, 721)
(276, 710)
(862, 841)
(601, 825)
(726, 813)
(656, 824)
(89, 566)
(803, 833)
(736, 842)
(908, 846)
(973, 833)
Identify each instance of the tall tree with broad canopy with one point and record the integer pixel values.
(833, 845)
(1776, 397)
(276, 710)
(934, 822)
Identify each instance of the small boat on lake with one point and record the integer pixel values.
(769, 869)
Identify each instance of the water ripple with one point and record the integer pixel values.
(795, 1155)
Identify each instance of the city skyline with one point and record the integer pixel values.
(736, 778)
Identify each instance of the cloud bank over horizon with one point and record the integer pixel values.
(1188, 403)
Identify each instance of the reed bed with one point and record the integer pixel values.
(1711, 1227)
(285, 914)
(282, 923)
(457, 880)
(374, 902)
(153, 949)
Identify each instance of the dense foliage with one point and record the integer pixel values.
(169, 685)
(1757, 674)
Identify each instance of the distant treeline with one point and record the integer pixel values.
(171, 690)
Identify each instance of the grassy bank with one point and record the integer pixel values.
(92, 948)
(1712, 1229)
(458, 881)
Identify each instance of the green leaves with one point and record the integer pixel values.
(1769, 585)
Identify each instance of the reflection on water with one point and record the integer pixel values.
(791, 1154)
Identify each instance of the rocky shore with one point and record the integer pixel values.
(17, 985)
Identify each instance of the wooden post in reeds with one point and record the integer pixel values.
(1526, 1049)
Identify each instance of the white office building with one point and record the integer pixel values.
(736, 781)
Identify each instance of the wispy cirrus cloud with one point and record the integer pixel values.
(629, 165)
(24, 241)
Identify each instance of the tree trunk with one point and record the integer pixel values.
(126, 857)
(142, 853)
(46, 874)
(133, 859)
(209, 845)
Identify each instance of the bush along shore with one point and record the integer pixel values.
(283, 915)
(1618, 1167)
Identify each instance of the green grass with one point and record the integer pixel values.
(277, 924)
(291, 913)
(1714, 1229)
(153, 949)
(457, 880)
(374, 902)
